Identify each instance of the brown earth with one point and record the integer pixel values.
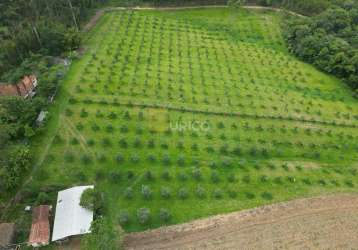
(329, 222)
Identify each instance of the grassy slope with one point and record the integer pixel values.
(245, 71)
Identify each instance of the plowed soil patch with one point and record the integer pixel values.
(329, 222)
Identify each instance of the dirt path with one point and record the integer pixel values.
(329, 222)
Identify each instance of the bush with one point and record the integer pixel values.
(148, 175)
(215, 177)
(182, 176)
(123, 217)
(165, 192)
(146, 192)
(197, 174)
(181, 160)
(250, 195)
(267, 195)
(42, 198)
(200, 192)
(166, 175)
(232, 193)
(86, 159)
(135, 158)
(231, 178)
(128, 193)
(114, 176)
(183, 193)
(88, 198)
(164, 215)
(143, 215)
(166, 160)
(218, 194)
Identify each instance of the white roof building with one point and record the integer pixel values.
(71, 219)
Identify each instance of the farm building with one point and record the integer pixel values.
(71, 219)
(7, 234)
(40, 228)
(25, 88)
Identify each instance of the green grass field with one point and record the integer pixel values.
(199, 112)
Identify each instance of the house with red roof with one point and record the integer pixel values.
(25, 88)
(40, 228)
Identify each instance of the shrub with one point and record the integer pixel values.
(112, 116)
(128, 193)
(231, 178)
(95, 127)
(86, 159)
(88, 198)
(69, 157)
(212, 164)
(164, 215)
(106, 142)
(267, 195)
(182, 176)
(90, 142)
(217, 194)
(166, 160)
(183, 193)
(151, 143)
(181, 160)
(200, 192)
(74, 141)
(143, 215)
(194, 147)
(135, 158)
(148, 175)
(130, 174)
(151, 158)
(166, 175)
(197, 174)
(124, 129)
(232, 193)
(123, 143)
(83, 113)
(123, 217)
(101, 158)
(114, 176)
(165, 192)
(215, 177)
(246, 179)
(146, 192)
(224, 149)
(42, 198)
(119, 158)
(250, 195)
(137, 142)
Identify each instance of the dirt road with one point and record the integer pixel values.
(329, 222)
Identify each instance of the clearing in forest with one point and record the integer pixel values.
(177, 115)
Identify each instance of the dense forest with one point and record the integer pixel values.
(34, 37)
(329, 41)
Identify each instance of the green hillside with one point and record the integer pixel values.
(198, 112)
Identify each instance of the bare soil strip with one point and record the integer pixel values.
(328, 222)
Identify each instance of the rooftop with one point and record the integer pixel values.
(71, 219)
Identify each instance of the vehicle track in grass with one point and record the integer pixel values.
(327, 222)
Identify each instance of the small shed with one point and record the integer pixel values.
(71, 219)
(7, 234)
(41, 117)
(40, 228)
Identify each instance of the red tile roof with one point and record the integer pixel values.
(23, 88)
(40, 229)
